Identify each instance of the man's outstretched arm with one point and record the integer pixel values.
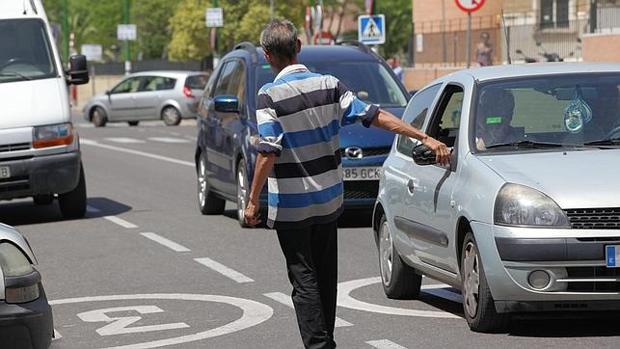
(389, 122)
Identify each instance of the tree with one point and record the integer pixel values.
(398, 25)
(190, 36)
(152, 18)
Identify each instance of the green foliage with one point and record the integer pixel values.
(398, 21)
(190, 36)
(152, 18)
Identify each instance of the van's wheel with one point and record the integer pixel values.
(243, 191)
(399, 280)
(133, 123)
(208, 203)
(73, 204)
(171, 116)
(99, 117)
(43, 199)
(478, 302)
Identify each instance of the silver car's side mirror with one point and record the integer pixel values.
(423, 156)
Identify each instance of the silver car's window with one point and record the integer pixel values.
(25, 51)
(564, 111)
(157, 83)
(416, 114)
(127, 86)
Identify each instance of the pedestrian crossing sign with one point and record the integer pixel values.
(371, 29)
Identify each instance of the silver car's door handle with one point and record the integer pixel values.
(410, 186)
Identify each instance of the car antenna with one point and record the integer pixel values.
(506, 37)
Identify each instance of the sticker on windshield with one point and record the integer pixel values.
(266, 66)
(577, 113)
(494, 120)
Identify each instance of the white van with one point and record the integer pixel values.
(39, 148)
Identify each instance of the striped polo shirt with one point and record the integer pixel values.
(299, 116)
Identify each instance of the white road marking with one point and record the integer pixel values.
(385, 344)
(92, 209)
(168, 140)
(347, 301)
(124, 140)
(286, 300)
(443, 292)
(92, 143)
(119, 221)
(57, 335)
(120, 324)
(254, 313)
(163, 241)
(224, 270)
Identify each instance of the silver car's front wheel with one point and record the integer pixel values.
(399, 280)
(386, 251)
(471, 279)
(478, 302)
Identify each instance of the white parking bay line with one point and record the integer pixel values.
(224, 270)
(168, 140)
(57, 335)
(286, 300)
(123, 223)
(385, 344)
(168, 243)
(124, 140)
(92, 209)
(92, 143)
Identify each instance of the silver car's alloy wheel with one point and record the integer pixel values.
(171, 116)
(241, 193)
(386, 253)
(471, 281)
(202, 182)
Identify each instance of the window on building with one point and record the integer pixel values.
(554, 14)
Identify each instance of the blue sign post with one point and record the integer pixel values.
(371, 29)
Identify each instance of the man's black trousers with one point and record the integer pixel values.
(312, 262)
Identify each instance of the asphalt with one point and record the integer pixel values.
(114, 282)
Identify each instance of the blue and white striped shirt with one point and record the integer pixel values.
(299, 116)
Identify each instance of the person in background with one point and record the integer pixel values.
(394, 63)
(484, 51)
(299, 117)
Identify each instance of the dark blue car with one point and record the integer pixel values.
(225, 152)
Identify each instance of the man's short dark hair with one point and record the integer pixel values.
(280, 39)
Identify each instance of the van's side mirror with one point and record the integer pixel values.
(423, 156)
(226, 104)
(78, 70)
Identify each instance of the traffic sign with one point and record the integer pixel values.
(214, 17)
(371, 29)
(469, 5)
(92, 52)
(126, 32)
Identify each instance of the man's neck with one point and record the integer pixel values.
(279, 67)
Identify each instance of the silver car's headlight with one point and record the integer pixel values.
(20, 278)
(518, 205)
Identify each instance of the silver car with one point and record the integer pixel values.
(527, 216)
(154, 95)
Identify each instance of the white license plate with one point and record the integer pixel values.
(5, 172)
(612, 256)
(362, 173)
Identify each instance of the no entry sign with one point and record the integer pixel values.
(469, 5)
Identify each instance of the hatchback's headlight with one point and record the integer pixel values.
(52, 135)
(519, 205)
(21, 279)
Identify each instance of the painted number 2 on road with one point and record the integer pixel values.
(119, 325)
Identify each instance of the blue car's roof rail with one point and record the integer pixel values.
(248, 46)
(355, 43)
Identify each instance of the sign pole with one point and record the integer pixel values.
(126, 42)
(468, 40)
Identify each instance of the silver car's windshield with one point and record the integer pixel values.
(369, 80)
(551, 112)
(25, 51)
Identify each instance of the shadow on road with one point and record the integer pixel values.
(25, 212)
(566, 325)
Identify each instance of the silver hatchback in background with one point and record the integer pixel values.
(527, 217)
(153, 95)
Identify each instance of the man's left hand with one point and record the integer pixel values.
(442, 152)
(251, 214)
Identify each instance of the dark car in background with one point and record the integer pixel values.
(225, 151)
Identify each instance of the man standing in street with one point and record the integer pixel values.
(299, 116)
